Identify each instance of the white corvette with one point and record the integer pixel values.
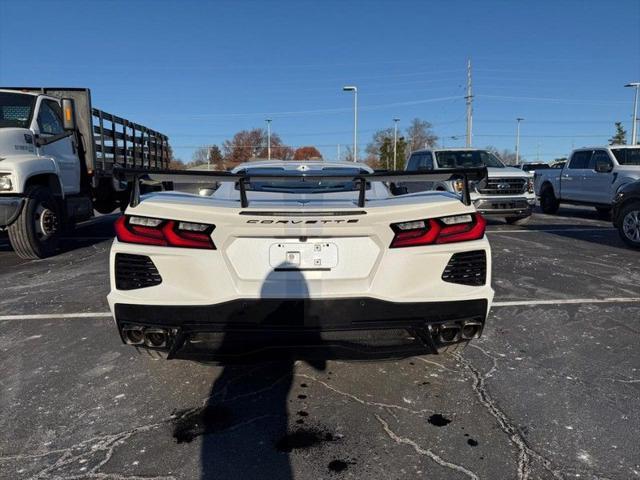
(288, 249)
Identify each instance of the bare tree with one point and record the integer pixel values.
(248, 144)
(507, 156)
(420, 135)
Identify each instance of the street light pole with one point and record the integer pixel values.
(395, 141)
(518, 140)
(634, 119)
(351, 88)
(268, 120)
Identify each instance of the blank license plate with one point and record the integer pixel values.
(303, 255)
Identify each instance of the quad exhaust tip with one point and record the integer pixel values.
(150, 337)
(133, 335)
(448, 333)
(453, 332)
(471, 330)
(155, 337)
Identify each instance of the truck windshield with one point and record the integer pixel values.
(298, 184)
(467, 159)
(16, 109)
(627, 156)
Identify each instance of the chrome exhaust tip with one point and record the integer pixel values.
(133, 335)
(448, 333)
(471, 330)
(155, 337)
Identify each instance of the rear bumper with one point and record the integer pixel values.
(505, 206)
(302, 314)
(355, 328)
(10, 208)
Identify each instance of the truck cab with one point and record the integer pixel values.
(507, 192)
(592, 176)
(51, 175)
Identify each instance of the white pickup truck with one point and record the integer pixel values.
(592, 176)
(507, 192)
(57, 155)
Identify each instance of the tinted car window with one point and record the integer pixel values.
(599, 156)
(580, 159)
(414, 161)
(627, 156)
(467, 159)
(420, 161)
(50, 118)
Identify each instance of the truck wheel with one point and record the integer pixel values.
(629, 224)
(518, 220)
(548, 201)
(36, 232)
(604, 212)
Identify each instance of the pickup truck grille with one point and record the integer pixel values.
(135, 271)
(467, 268)
(503, 186)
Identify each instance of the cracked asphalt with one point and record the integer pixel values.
(548, 392)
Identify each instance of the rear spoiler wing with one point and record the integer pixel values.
(134, 175)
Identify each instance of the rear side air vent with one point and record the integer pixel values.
(135, 271)
(467, 268)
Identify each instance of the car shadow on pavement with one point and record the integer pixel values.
(251, 422)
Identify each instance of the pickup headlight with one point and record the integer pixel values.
(5, 183)
(530, 186)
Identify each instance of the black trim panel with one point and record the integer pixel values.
(302, 314)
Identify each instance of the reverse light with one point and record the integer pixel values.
(165, 233)
(456, 228)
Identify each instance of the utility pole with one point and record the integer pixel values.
(338, 152)
(395, 141)
(268, 120)
(518, 140)
(469, 99)
(634, 118)
(351, 88)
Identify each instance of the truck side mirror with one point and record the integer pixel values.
(603, 166)
(68, 115)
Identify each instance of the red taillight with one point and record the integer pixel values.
(167, 233)
(438, 231)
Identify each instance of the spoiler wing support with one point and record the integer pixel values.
(243, 178)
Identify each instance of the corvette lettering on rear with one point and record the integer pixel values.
(302, 222)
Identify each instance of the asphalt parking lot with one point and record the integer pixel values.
(550, 391)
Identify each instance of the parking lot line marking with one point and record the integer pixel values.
(551, 230)
(54, 316)
(515, 303)
(565, 301)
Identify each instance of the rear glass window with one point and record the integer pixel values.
(535, 166)
(16, 109)
(467, 159)
(297, 183)
(627, 156)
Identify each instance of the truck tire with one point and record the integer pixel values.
(36, 232)
(518, 220)
(629, 224)
(548, 201)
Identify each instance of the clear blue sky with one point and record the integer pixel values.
(202, 71)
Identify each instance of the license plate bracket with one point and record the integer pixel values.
(303, 255)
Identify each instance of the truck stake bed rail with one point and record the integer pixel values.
(242, 178)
